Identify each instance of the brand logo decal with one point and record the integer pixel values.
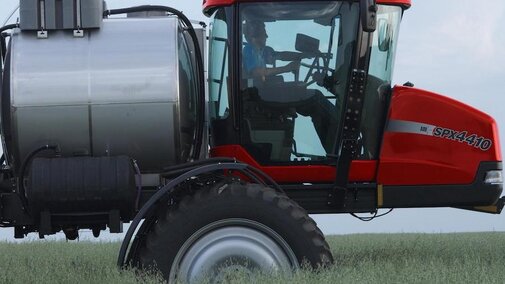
(473, 140)
(464, 136)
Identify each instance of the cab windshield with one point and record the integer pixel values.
(295, 59)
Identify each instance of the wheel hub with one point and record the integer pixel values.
(233, 246)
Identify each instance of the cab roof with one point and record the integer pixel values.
(209, 4)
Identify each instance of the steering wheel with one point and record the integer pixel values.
(316, 72)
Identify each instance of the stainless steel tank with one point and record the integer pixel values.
(128, 88)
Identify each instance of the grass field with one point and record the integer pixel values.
(377, 258)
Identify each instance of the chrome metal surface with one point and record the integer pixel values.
(114, 91)
(230, 246)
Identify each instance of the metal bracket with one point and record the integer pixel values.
(337, 197)
(45, 224)
(349, 135)
(78, 33)
(42, 34)
(19, 232)
(115, 223)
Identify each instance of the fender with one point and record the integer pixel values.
(244, 169)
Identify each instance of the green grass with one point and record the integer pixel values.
(374, 258)
(65, 262)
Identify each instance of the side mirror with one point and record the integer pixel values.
(384, 35)
(368, 15)
(307, 44)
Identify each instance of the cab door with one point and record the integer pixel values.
(288, 123)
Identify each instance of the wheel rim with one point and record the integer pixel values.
(230, 246)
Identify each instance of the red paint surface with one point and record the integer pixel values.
(406, 158)
(207, 4)
(361, 171)
(415, 159)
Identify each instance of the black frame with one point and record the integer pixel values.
(225, 131)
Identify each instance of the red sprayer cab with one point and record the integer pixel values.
(337, 121)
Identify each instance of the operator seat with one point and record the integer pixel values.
(268, 124)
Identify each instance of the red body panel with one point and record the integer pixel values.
(361, 171)
(407, 158)
(424, 159)
(208, 4)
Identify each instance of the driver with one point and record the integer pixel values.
(255, 57)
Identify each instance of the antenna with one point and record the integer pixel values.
(10, 16)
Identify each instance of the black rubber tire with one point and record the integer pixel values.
(246, 201)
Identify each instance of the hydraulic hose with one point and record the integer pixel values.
(199, 63)
(8, 27)
(3, 48)
(200, 163)
(24, 165)
(138, 182)
(180, 169)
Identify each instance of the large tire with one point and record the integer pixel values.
(233, 227)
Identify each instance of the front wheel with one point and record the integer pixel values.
(234, 227)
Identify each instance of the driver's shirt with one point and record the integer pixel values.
(256, 58)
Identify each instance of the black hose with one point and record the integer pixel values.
(200, 163)
(8, 27)
(21, 184)
(2, 159)
(138, 182)
(181, 169)
(3, 47)
(259, 176)
(368, 219)
(199, 62)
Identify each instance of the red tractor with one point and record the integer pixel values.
(108, 120)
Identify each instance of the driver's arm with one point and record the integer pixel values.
(266, 71)
(254, 68)
(289, 56)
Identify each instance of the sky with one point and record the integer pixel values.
(454, 48)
